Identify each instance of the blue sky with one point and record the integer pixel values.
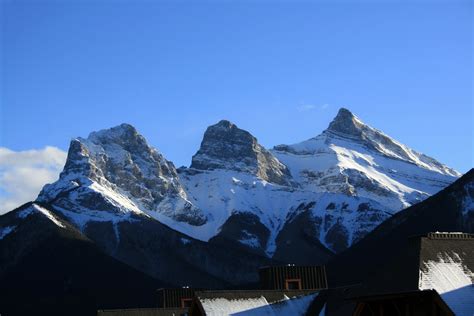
(278, 69)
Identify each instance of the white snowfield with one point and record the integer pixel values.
(389, 179)
(452, 280)
(257, 306)
(354, 183)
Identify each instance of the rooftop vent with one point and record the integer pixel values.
(450, 235)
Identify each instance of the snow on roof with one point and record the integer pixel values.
(258, 305)
(452, 280)
(223, 306)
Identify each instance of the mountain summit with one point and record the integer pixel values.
(353, 158)
(120, 158)
(116, 172)
(225, 146)
(346, 123)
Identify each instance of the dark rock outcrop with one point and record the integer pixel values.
(225, 146)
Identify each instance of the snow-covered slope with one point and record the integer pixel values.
(352, 158)
(267, 208)
(324, 193)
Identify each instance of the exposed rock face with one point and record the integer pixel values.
(123, 158)
(225, 146)
(120, 158)
(120, 162)
(345, 123)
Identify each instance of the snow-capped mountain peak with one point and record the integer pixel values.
(116, 166)
(347, 124)
(120, 158)
(353, 158)
(328, 191)
(225, 146)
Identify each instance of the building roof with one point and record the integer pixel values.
(254, 302)
(447, 266)
(378, 297)
(420, 298)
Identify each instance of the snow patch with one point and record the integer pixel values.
(185, 241)
(223, 306)
(249, 239)
(116, 198)
(6, 230)
(36, 208)
(236, 181)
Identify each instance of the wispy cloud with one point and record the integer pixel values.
(24, 173)
(306, 107)
(311, 107)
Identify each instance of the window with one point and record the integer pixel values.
(186, 302)
(293, 284)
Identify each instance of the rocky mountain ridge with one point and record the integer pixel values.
(344, 182)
